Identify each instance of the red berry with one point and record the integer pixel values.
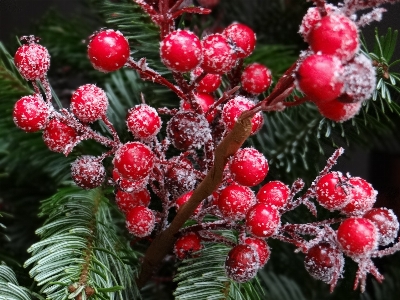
(31, 113)
(357, 236)
(243, 37)
(233, 109)
(209, 83)
(234, 201)
(186, 245)
(59, 137)
(181, 51)
(89, 103)
(188, 130)
(331, 191)
(108, 50)
(179, 176)
(185, 198)
(256, 78)
(218, 54)
(274, 193)
(128, 185)
(262, 220)
(143, 121)
(126, 201)
(242, 263)
(320, 77)
(140, 221)
(134, 161)
(205, 101)
(335, 34)
(248, 167)
(386, 222)
(32, 61)
(338, 111)
(88, 172)
(311, 18)
(261, 248)
(362, 197)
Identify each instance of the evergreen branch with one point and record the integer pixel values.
(70, 260)
(9, 287)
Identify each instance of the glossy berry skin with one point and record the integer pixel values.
(185, 198)
(218, 54)
(331, 191)
(32, 61)
(205, 101)
(134, 161)
(234, 201)
(187, 244)
(243, 37)
(108, 50)
(126, 201)
(140, 221)
(129, 185)
(362, 197)
(179, 176)
(335, 34)
(89, 103)
(386, 222)
(262, 220)
(242, 263)
(210, 83)
(143, 121)
(59, 137)
(261, 248)
(274, 193)
(233, 109)
(31, 113)
(320, 77)
(181, 51)
(338, 111)
(256, 78)
(248, 167)
(311, 18)
(88, 172)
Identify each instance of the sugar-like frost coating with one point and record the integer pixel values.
(88, 172)
(31, 113)
(32, 61)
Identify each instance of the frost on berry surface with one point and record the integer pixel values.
(32, 61)
(261, 247)
(187, 244)
(386, 222)
(181, 51)
(59, 137)
(331, 191)
(262, 220)
(128, 185)
(185, 198)
(339, 111)
(88, 172)
(126, 201)
(273, 193)
(143, 121)
(256, 78)
(140, 221)
(243, 38)
(205, 101)
(30, 113)
(179, 176)
(242, 263)
(209, 83)
(89, 103)
(362, 197)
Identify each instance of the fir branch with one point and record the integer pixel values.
(9, 287)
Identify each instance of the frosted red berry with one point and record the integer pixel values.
(234, 201)
(357, 237)
(134, 161)
(218, 54)
(181, 51)
(108, 50)
(248, 167)
(179, 176)
(332, 191)
(186, 245)
(338, 111)
(274, 193)
(59, 137)
(129, 185)
(89, 103)
(205, 101)
(262, 220)
(31, 113)
(362, 197)
(140, 221)
(209, 83)
(386, 222)
(126, 201)
(243, 38)
(256, 78)
(143, 121)
(242, 263)
(88, 172)
(185, 198)
(261, 248)
(32, 61)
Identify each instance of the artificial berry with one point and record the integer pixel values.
(181, 51)
(233, 109)
(31, 113)
(262, 220)
(274, 193)
(243, 37)
(320, 77)
(256, 78)
(186, 245)
(235, 200)
(179, 176)
(338, 111)
(185, 198)
(89, 103)
(32, 61)
(134, 161)
(362, 197)
(261, 247)
(248, 167)
(126, 201)
(332, 191)
(209, 83)
(357, 237)
(386, 222)
(128, 185)
(143, 121)
(59, 137)
(88, 172)
(108, 50)
(140, 221)
(242, 263)
(218, 54)
(205, 101)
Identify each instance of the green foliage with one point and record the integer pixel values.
(9, 287)
(280, 287)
